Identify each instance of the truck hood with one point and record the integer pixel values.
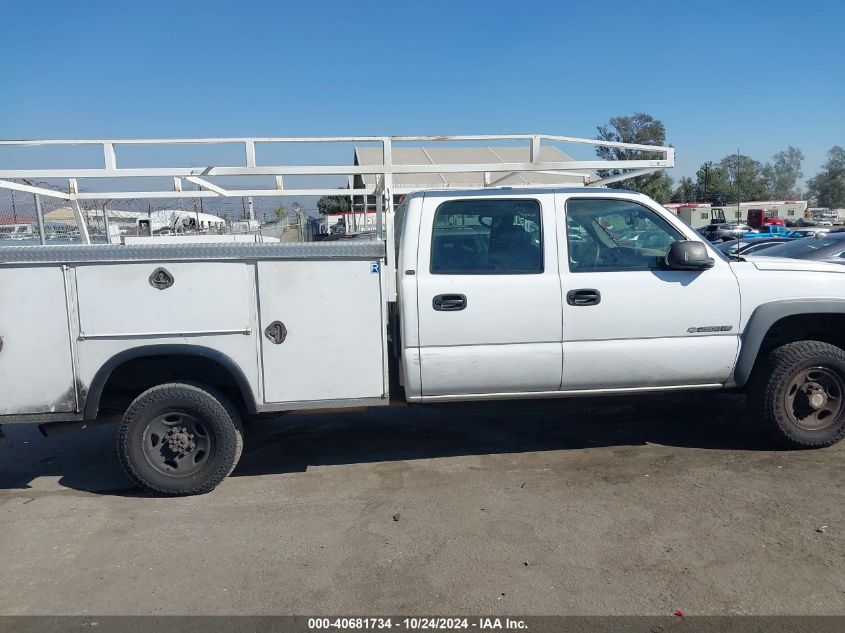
(802, 265)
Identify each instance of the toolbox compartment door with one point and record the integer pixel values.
(333, 336)
(36, 370)
(123, 300)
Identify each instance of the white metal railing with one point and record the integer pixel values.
(250, 166)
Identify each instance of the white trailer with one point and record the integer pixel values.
(697, 214)
(470, 294)
(786, 210)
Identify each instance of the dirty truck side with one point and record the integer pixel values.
(478, 294)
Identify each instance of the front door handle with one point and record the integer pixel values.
(583, 297)
(449, 303)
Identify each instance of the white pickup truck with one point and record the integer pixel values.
(477, 294)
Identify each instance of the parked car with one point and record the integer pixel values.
(825, 223)
(761, 218)
(829, 247)
(772, 230)
(724, 231)
(810, 232)
(742, 247)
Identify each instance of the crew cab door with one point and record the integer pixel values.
(488, 295)
(627, 321)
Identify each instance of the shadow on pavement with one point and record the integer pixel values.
(86, 461)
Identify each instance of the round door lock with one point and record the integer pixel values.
(161, 278)
(276, 332)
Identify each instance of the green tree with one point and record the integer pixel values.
(639, 128)
(685, 191)
(281, 214)
(711, 184)
(745, 177)
(767, 180)
(333, 204)
(785, 172)
(828, 186)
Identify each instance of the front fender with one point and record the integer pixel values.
(762, 320)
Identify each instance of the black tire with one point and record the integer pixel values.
(180, 439)
(782, 394)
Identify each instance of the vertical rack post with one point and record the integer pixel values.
(39, 213)
(77, 212)
(106, 224)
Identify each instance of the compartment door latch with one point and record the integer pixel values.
(276, 332)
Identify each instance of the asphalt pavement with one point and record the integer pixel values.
(615, 506)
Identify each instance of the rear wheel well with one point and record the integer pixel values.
(132, 377)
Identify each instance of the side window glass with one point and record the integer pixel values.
(606, 234)
(478, 237)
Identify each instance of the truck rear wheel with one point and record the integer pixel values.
(799, 394)
(180, 439)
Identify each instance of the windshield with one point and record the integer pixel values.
(803, 247)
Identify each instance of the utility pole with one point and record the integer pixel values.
(736, 181)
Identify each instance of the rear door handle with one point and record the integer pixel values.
(449, 303)
(583, 297)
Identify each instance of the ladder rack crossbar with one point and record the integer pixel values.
(381, 173)
(332, 170)
(336, 139)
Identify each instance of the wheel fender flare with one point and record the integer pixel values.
(761, 321)
(95, 391)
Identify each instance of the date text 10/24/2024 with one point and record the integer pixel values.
(417, 623)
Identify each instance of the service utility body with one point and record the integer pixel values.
(482, 293)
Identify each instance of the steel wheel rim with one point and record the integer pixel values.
(815, 398)
(177, 443)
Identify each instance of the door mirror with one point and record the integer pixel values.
(688, 255)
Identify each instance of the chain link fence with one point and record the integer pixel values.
(27, 219)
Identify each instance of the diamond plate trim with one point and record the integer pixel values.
(103, 253)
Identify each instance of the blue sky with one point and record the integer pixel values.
(721, 75)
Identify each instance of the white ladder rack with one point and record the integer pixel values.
(384, 172)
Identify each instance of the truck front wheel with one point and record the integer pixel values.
(798, 394)
(180, 439)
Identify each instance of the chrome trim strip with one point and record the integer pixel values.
(528, 395)
(344, 403)
(83, 336)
